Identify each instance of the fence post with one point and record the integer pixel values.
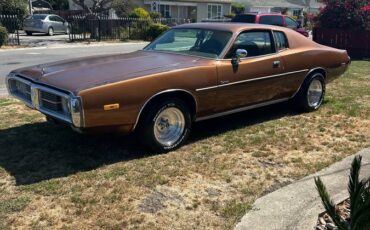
(99, 29)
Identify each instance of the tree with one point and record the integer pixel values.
(343, 14)
(59, 4)
(237, 8)
(122, 8)
(13, 7)
(359, 196)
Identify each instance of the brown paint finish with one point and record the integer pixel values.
(132, 80)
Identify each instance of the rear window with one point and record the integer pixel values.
(246, 18)
(38, 17)
(281, 40)
(272, 20)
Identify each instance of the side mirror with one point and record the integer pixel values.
(240, 53)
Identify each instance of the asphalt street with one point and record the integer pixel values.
(17, 58)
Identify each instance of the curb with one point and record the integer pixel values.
(298, 205)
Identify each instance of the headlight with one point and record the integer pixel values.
(76, 112)
(66, 105)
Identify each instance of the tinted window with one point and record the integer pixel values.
(256, 43)
(38, 17)
(246, 18)
(272, 20)
(291, 23)
(281, 40)
(198, 42)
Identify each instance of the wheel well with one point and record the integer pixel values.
(318, 70)
(183, 95)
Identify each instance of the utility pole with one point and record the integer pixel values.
(30, 6)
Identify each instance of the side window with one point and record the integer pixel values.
(52, 18)
(272, 20)
(256, 43)
(59, 19)
(281, 40)
(290, 23)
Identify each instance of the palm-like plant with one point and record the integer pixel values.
(359, 196)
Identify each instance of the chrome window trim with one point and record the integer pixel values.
(251, 80)
(232, 40)
(162, 92)
(241, 109)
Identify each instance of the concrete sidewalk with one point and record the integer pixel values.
(297, 205)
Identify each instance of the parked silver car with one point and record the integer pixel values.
(45, 23)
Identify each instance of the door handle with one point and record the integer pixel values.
(276, 64)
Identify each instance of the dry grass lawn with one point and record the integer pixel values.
(53, 178)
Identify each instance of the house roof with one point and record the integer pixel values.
(282, 3)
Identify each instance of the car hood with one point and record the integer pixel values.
(84, 73)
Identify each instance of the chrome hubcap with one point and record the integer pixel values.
(314, 93)
(169, 126)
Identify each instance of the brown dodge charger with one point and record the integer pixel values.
(192, 72)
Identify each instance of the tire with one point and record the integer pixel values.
(311, 94)
(50, 31)
(29, 33)
(166, 126)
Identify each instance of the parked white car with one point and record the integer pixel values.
(45, 23)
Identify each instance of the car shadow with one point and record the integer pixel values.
(40, 151)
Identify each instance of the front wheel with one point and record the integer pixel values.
(29, 33)
(50, 31)
(311, 94)
(166, 125)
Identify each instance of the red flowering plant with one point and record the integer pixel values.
(366, 11)
(344, 14)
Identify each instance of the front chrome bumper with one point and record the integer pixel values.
(52, 102)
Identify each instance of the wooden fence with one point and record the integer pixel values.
(357, 43)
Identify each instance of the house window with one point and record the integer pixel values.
(165, 11)
(214, 11)
(296, 13)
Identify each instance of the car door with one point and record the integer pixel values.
(57, 25)
(255, 78)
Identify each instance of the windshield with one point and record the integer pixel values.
(198, 42)
(38, 17)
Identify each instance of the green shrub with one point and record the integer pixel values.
(154, 30)
(237, 8)
(3, 35)
(140, 13)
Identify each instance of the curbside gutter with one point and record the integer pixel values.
(297, 205)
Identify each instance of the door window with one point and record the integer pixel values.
(272, 20)
(291, 23)
(256, 43)
(281, 40)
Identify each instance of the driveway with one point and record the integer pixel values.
(38, 39)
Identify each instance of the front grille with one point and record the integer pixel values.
(51, 101)
(47, 100)
(20, 89)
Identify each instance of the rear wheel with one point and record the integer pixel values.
(311, 94)
(166, 125)
(29, 33)
(50, 31)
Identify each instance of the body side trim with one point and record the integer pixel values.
(251, 80)
(242, 109)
